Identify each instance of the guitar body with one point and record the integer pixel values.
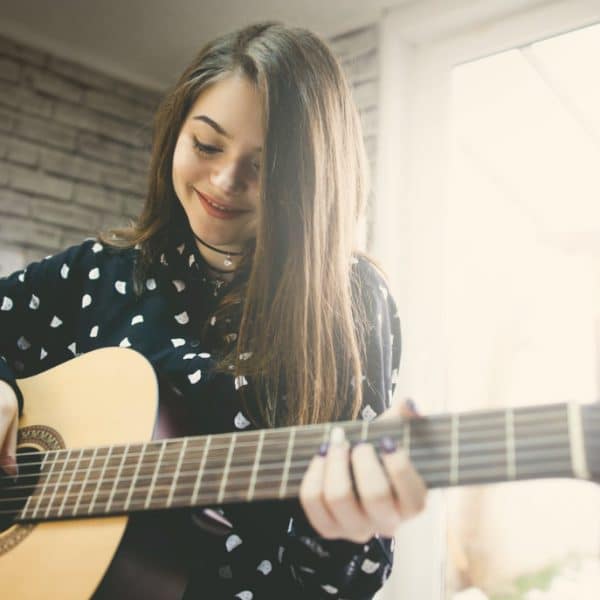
(94, 409)
(138, 556)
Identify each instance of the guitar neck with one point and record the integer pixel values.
(447, 450)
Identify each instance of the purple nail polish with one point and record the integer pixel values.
(388, 444)
(323, 449)
(411, 404)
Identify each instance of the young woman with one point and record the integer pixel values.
(241, 284)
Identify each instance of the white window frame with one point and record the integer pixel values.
(420, 43)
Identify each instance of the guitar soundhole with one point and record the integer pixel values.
(14, 493)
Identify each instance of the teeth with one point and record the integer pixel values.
(219, 206)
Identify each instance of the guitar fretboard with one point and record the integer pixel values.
(449, 450)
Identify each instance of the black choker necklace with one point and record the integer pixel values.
(227, 262)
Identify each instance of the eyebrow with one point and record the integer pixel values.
(206, 119)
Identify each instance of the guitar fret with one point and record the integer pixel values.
(511, 463)
(364, 430)
(116, 481)
(43, 489)
(70, 484)
(86, 476)
(261, 438)
(177, 471)
(78, 478)
(286, 466)
(226, 470)
(57, 483)
(99, 482)
(578, 455)
(29, 499)
(326, 432)
(201, 471)
(454, 444)
(135, 475)
(155, 474)
(447, 450)
(406, 437)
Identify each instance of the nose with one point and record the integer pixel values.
(228, 177)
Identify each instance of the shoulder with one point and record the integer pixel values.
(370, 277)
(77, 261)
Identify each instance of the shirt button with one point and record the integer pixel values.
(195, 343)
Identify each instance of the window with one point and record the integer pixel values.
(487, 221)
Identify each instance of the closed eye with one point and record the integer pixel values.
(204, 148)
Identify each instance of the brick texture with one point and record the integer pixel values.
(74, 144)
(74, 150)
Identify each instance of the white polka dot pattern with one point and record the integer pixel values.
(83, 298)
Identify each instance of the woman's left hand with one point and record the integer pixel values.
(385, 496)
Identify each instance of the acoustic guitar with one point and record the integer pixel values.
(108, 473)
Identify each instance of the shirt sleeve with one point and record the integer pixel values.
(338, 568)
(37, 317)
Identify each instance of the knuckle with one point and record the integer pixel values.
(362, 537)
(338, 496)
(377, 496)
(310, 497)
(398, 468)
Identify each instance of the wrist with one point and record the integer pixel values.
(6, 389)
(9, 392)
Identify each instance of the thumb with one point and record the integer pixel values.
(8, 453)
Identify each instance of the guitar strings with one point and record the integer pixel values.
(423, 427)
(207, 497)
(382, 425)
(418, 448)
(293, 474)
(272, 462)
(468, 420)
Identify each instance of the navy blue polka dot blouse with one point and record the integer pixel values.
(82, 299)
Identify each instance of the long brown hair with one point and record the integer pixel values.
(295, 295)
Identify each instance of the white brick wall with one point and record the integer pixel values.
(74, 144)
(74, 148)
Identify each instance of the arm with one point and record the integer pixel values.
(38, 309)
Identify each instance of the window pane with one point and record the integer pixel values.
(523, 301)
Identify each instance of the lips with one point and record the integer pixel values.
(218, 213)
(220, 203)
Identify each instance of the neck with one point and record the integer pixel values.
(216, 260)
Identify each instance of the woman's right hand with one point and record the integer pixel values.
(9, 423)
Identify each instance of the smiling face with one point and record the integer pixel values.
(218, 157)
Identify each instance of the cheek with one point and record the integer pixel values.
(186, 166)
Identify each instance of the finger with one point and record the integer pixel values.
(408, 485)
(405, 409)
(8, 433)
(312, 501)
(339, 493)
(410, 407)
(374, 490)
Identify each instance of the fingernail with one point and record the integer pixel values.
(323, 449)
(411, 404)
(388, 444)
(338, 436)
